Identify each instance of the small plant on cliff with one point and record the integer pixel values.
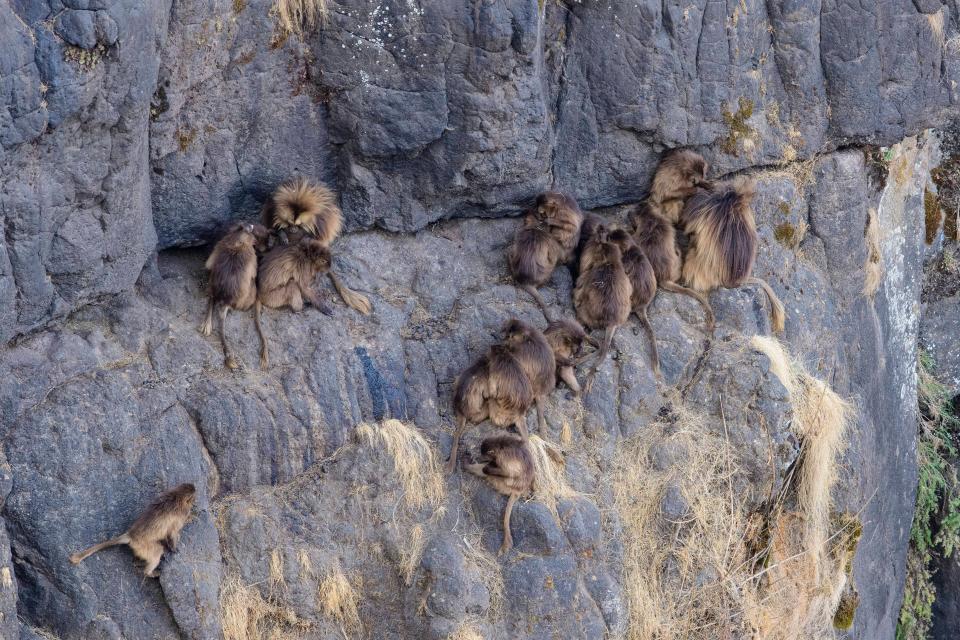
(936, 519)
(295, 16)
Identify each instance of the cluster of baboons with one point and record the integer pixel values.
(618, 272)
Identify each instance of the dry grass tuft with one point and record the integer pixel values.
(550, 482)
(414, 461)
(466, 631)
(490, 570)
(411, 552)
(278, 583)
(874, 265)
(296, 16)
(338, 601)
(247, 615)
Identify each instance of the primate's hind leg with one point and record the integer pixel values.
(601, 356)
(452, 460)
(207, 327)
(507, 538)
(648, 328)
(529, 288)
(264, 355)
(228, 359)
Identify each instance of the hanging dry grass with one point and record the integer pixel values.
(338, 601)
(247, 615)
(414, 461)
(873, 268)
(411, 553)
(466, 631)
(296, 16)
(490, 569)
(550, 482)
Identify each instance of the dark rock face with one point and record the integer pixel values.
(127, 127)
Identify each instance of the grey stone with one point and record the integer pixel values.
(77, 28)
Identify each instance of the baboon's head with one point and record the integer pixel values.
(558, 209)
(620, 238)
(515, 331)
(186, 495)
(681, 171)
(317, 254)
(567, 334)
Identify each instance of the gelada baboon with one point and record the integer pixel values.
(506, 463)
(723, 242)
(286, 279)
(233, 279)
(657, 238)
(531, 349)
(644, 283)
(548, 237)
(566, 338)
(158, 526)
(300, 208)
(495, 387)
(601, 296)
(678, 176)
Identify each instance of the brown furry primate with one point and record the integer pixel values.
(549, 237)
(644, 283)
(678, 176)
(531, 349)
(723, 242)
(233, 279)
(505, 462)
(656, 237)
(299, 208)
(495, 387)
(158, 526)
(285, 279)
(601, 296)
(566, 338)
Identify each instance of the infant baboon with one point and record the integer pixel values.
(301, 207)
(723, 242)
(531, 349)
(602, 294)
(158, 525)
(506, 463)
(566, 338)
(286, 279)
(549, 236)
(677, 178)
(644, 283)
(495, 387)
(657, 238)
(233, 279)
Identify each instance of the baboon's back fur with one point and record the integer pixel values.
(562, 216)
(657, 238)
(676, 179)
(156, 518)
(290, 267)
(602, 293)
(494, 387)
(533, 255)
(565, 338)
(531, 349)
(233, 269)
(509, 467)
(307, 205)
(638, 269)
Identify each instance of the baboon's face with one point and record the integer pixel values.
(697, 174)
(514, 332)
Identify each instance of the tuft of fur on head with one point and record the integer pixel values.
(309, 205)
(316, 253)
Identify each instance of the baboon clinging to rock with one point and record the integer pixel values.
(644, 284)
(494, 387)
(723, 242)
(233, 279)
(531, 349)
(285, 279)
(602, 293)
(505, 462)
(566, 338)
(300, 208)
(157, 527)
(549, 237)
(678, 176)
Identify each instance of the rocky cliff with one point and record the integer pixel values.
(131, 131)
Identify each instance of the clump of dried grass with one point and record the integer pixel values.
(338, 600)
(247, 615)
(490, 570)
(874, 266)
(411, 553)
(295, 16)
(414, 461)
(466, 631)
(550, 482)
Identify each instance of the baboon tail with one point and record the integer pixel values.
(673, 287)
(648, 328)
(80, 556)
(264, 351)
(354, 300)
(529, 288)
(777, 314)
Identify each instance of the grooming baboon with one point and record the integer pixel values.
(495, 387)
(677, 178)
(285, 279)
(505, 462)
(302, 208)
(549, 236)
(531, 349)
(233, 279)
(723, 242)
(566, 338)
(602, 293)
(657, 238)
(644, 283)
(158, 525)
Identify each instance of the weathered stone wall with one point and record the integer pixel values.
(127, 127)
